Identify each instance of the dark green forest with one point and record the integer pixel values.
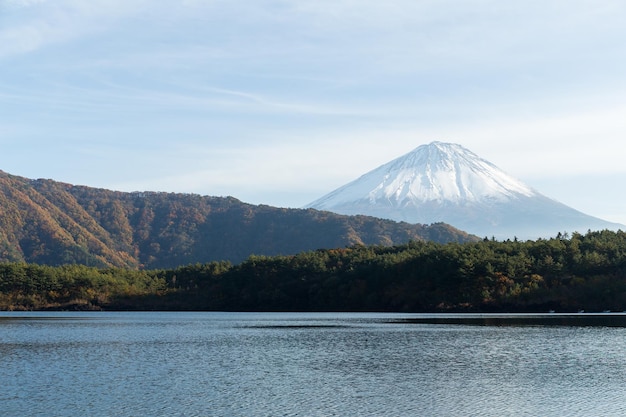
(565, 273)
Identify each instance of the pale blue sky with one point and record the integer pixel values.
(279, 102)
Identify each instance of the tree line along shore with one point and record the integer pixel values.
(564, 273)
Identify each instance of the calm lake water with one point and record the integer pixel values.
(240, 364)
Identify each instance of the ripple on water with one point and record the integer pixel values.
(208, 364)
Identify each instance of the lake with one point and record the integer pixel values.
(317, 364)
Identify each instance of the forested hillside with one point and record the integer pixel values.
(53, 223)
(563, 274)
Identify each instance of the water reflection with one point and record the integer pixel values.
(581, 319)
(222, 364)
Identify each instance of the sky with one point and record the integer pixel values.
(280, 102)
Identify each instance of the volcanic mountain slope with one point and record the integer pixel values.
(444, 182)
(49, 222)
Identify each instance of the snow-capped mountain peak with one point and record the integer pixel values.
(435, 172)
(445, 182)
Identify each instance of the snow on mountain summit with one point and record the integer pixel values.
(435, 172)
(444, 182)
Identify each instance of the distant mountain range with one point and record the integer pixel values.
(444, 182)
(49, 222)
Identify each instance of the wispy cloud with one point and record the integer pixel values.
(270, 95)
(30, 25)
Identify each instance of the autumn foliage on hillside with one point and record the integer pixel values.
(53, 223)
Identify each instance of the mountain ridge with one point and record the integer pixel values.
(445, 182)
(48, 222)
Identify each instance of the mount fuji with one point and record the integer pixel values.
(445, 182)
